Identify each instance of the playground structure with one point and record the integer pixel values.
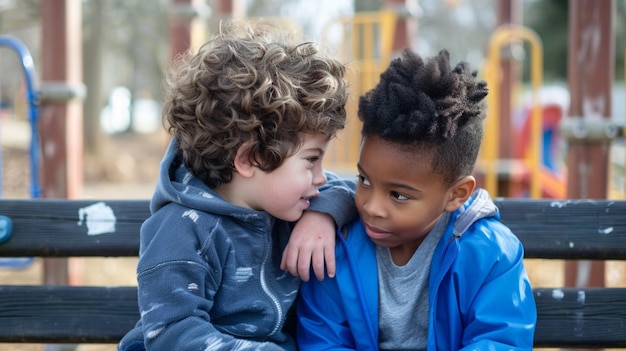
(32, 98)
(368, 40)
(536, 168)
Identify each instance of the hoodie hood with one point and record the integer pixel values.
(177, 184)
(480, 205)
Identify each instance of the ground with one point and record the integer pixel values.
(130, 172)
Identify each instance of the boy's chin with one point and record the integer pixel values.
(289, 217)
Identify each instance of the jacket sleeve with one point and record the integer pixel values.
(322, 324)
(337, 199)
(499, 309)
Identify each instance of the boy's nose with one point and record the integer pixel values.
(319, 178)
(373, 207)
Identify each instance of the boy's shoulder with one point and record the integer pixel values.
(489, 234)
(181, 220)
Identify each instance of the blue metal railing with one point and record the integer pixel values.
(32, 97)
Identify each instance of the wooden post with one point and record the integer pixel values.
(590, 73)
(61, 112)
(406, 25)
(61, 106)
(509, 12)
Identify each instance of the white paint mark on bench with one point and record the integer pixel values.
(607, 230)
(580, 297)
(558, 294)
(99, 218)
(558, 204)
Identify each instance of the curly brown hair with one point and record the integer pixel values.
(430, 108)
(251, 86)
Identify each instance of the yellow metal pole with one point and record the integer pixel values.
(536, 156)
(501, 36)
(368, 52)
(492, 136)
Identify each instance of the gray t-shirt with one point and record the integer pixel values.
(403, 295)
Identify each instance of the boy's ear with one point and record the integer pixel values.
(242, 163)
(459, 192)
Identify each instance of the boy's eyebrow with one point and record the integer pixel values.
(318, 149)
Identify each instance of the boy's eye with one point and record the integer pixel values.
(399, 196)
(363, 180)
(313, 159)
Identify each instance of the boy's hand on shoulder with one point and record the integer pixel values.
(312, 242)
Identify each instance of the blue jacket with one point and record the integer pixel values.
(480, 296)
(208, 272)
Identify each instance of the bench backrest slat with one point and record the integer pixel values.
(574, 229)
(65, 228)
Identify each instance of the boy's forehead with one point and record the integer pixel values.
(313, 141)
(393, 164)
(412, 153)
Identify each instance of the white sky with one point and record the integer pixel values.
(314, 15)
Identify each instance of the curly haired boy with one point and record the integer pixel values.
(251, 115)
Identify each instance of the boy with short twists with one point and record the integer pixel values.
(428, 265)
(251, 116)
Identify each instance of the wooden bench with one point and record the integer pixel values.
(567, 317)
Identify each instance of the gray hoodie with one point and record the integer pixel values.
(208, 271)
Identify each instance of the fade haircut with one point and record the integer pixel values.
(251, 86)
(427, 108)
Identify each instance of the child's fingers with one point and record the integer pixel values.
(329, 257)
(303, 262)
(289, 260)
(283, 260)
(317, 261)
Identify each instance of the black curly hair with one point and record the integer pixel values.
(429, 108)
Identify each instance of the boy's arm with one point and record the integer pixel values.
(312, 241)
(336, 199)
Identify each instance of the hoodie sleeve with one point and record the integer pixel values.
(337, 199)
